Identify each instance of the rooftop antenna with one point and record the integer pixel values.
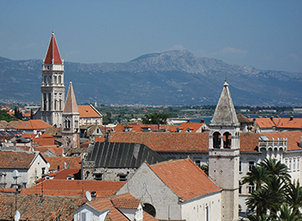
(88, 196)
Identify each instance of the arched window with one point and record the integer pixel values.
(227, 140)
(149, 209)
(216, 140)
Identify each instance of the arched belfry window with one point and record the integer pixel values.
(227, 140)
(216, 140)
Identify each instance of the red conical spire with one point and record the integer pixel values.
(53, 54)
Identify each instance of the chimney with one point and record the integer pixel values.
(291, 118)
(202, 121)
(272, 117)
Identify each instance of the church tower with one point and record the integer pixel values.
(71, 118)
(52, 87)
(224, 148)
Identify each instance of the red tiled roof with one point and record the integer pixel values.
(264, 123)
(165, 141)
(293, 123)
(116, 202)
(55, 149)
(148, 217)
(35, 207)
(33, 125)
(184, 178)
(249, 141)
(16, 160)
(58, 187)
(58, 162)
(125, 201)
(53, 54)
(87, 111)
(62, 174)
(194, 126)
(105, 204)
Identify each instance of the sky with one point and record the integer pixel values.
(265, 34)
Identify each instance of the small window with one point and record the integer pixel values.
(290, 165)
(98, 176)
(251, 187)
(43, 170)
(298, 164)
(251, 165)
(240, 168)
(123, 177)
(294, 164)
(240, 187)
(83, 217)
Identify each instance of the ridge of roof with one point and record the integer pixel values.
(53, 54)
(225, 114)
(71, 103)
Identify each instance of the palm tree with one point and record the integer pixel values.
(276, 168)
(293, 196)
(288, 214)
(258, 175)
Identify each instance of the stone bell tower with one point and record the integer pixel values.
(71, 119)
(52, 87)
(224, 148)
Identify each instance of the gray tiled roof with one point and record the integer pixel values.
(225, 114)
(121, 155)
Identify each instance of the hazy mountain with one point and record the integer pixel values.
(173, 77)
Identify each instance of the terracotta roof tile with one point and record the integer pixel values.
(53, 54)
(57, 163)
(88, 111)
(293, 123)
(60, 187)
(125, 201)
(249, 141)
(33, 125)
(165, 141)
(193, 126)
(184, 178)
(264, 123)
(34, 207)
(16, 160)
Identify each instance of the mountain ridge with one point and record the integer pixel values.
(174, 77)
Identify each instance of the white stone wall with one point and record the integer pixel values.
(90, 214)
(205, 208)
(90, 121)
(147, 187)
(8, 181)
(35, 170)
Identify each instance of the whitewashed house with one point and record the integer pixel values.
(114, 208)
(175, 190)
(30, 167)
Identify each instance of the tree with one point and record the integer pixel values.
(18, 113)
(155, 118)
(275, 198)
(293, 196)
(257, 175)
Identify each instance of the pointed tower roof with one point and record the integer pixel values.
(71, 103)
(225, 114)
(53, 54)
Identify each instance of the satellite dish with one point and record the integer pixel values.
(48, 165)
(17, 215)
(15, 173)
(88, 196)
